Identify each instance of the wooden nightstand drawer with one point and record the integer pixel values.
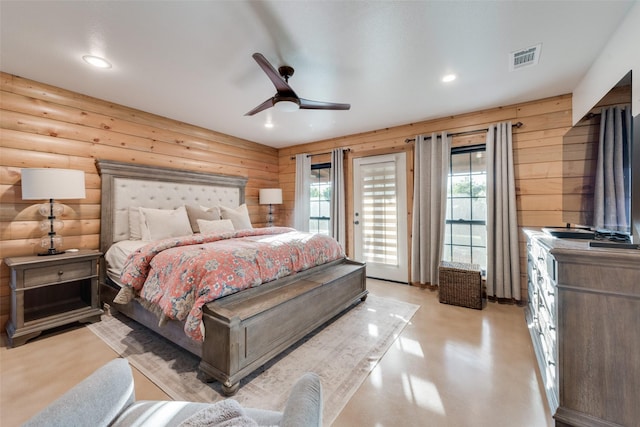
(58, 273)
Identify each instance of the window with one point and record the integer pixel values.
(320, 198)
(466, 229)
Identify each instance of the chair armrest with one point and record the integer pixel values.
(304, 405)
(95, 401)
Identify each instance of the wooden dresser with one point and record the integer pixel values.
(584, 318)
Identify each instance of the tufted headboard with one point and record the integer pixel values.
(126, 184)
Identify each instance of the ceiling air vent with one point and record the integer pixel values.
(524, 57)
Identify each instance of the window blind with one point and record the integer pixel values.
(380, 213)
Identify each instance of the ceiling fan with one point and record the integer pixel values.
(285, 98)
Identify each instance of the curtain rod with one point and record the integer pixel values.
(590, 115)
(469, 132)
(320, 154)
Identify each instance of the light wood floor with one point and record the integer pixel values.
(451, 366)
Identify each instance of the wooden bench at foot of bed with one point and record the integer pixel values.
(247, 329)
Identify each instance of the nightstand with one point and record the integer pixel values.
(50, 291)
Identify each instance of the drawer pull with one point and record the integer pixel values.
(60, 273)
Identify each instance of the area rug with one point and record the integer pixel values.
(342, 354)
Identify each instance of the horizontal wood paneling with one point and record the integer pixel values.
(45, 126)
(543, 171)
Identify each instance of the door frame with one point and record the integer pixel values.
(349, 195)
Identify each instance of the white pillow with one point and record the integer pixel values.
(159, 224)
(238, 216)
(135, 233)
(212, 209)
(201, 212)
(215, 226)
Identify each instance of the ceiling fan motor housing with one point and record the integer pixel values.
(286, 72)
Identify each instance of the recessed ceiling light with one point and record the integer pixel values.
(96, 61)
(268, 125)
(449, 78)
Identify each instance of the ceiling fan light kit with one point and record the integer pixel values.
(285, 98)
(286, 106)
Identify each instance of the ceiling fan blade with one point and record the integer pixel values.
(307, 104)
(266, 104)
(282, 87)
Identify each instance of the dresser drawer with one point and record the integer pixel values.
(548, 335)
(58, 273)
(548, 298)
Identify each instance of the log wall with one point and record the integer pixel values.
(45, 126)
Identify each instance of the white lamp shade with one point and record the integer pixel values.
(270, 196)
(48, 183)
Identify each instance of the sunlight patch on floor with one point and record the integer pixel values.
(410, 346)
(375, 377)
(373, 330)
(424, 393)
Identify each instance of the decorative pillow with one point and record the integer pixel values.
(135, 233)
(159, 224)
(238, 216)
(214, 209)
(200, 212)
(216, 226)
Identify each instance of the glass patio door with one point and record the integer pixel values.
(380, 215)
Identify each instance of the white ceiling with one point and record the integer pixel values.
(191, 60)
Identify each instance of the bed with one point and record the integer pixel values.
(240, 331)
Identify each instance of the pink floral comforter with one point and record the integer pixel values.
(176, 277)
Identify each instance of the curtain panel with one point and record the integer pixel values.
(302, 201)
(338, 218)
(613, 170)
(503, 259)
(431, 171)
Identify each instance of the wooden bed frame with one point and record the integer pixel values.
(245, 330)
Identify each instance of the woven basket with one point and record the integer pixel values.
(461, 284)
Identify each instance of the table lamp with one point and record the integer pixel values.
(270, 196)
(49, 183)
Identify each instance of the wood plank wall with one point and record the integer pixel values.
(539, 164)
(45, 126)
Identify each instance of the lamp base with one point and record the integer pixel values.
(51, 240)
(51, 252)
(270, 216)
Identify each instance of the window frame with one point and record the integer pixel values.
(316, 166)
(448, 247)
